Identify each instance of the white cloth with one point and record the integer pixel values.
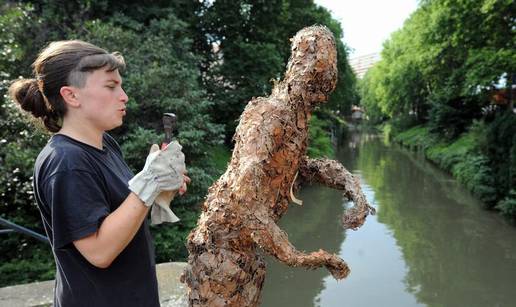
(161, 211)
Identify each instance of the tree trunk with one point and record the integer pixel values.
(243, 206)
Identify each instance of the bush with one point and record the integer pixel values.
(403, 122)
(447, 155)
(319, 140)
(30, 261)
(162, 76)
(500, 148)
(219, 158)
(418, 137)
(508, 205)
(474, 172)
(451, 117)
(22, 258)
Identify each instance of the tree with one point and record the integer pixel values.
(162, 76)
(246, 48)
(449, 60)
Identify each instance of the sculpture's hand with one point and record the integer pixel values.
(275, 242)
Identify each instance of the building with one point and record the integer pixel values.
(357, 114)
(361, 64)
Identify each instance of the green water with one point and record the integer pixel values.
(430, 243)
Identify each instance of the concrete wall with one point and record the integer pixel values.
(172, 292)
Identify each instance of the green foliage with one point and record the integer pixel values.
(220, 156)
(29, 261)
(403, 122)
(508, 205)
(368, 99)
(346, 93)
(447, 155)
(162, 76)
(171, 67)
(474, 172)
(450, 118)
(16, 201)
(396, 85)
(446, 59)
(416, 138)
(500, 148)
(252, 48)
(19, 145)
(440, 70)
(136, 143)
(319, 141)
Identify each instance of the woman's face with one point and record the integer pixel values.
(102, 100)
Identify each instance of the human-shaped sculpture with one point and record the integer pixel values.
(268, 162)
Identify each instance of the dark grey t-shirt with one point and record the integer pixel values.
(76, 186)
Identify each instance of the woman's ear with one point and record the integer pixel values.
(69, 94)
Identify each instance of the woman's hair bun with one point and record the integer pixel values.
(27, 94)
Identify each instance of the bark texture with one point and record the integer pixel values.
(268, 162)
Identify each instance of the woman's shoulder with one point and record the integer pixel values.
(62, 153)
(111, 143)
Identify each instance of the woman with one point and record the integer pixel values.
(93, 208)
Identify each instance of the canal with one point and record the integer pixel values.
(430, 243)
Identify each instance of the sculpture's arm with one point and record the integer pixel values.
(334, 175)
(274, 241)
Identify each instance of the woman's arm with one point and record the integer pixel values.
(114, 234)
(163, 171)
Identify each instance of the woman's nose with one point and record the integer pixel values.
(124, 97)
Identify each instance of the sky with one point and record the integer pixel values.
(368, 23)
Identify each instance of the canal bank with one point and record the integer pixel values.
(482, 159)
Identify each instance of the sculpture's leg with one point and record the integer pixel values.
(224, 278)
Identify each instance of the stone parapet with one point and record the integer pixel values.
(172, 292)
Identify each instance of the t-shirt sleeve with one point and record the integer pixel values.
(78, 205)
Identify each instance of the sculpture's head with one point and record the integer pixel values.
(312, 67)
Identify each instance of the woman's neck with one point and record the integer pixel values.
(82, 133)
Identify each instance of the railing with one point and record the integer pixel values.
(11, 227)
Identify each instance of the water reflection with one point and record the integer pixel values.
(457, 254)
(312, 226)
(429, 245)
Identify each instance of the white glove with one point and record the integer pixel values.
(163, 171)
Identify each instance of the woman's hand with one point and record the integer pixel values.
(162, 172)
(183, 188)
